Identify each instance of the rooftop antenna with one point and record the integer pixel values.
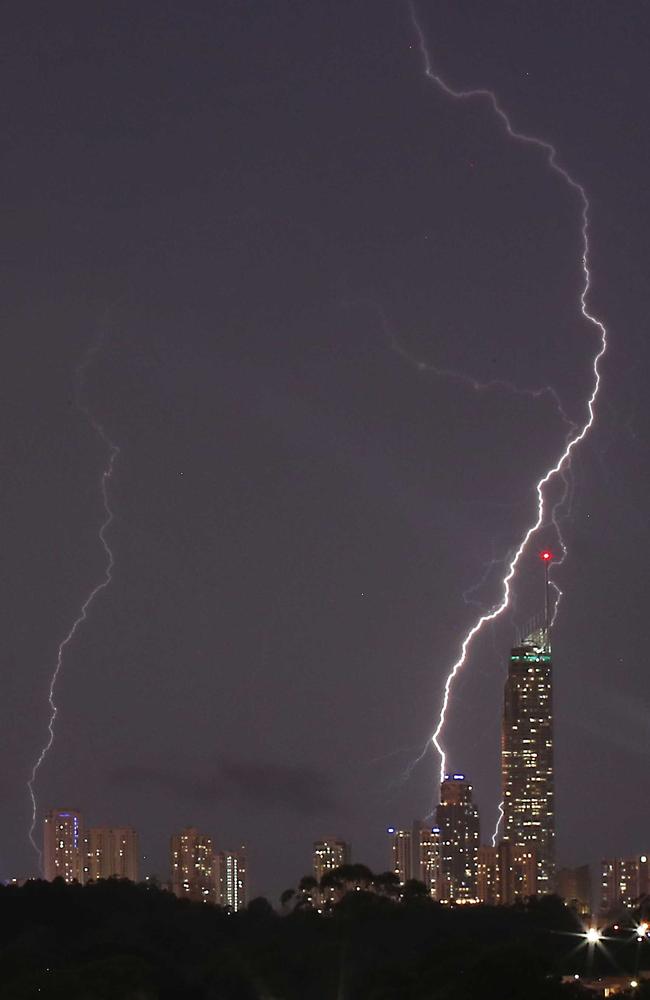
(547, 558)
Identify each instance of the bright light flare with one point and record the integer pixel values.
(593, 935)
(559, 469)
(546, 556)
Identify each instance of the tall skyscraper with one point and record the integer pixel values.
(329, 854)
(401, 854)
(426, 857)
(193, 866)
(111, 852)
(231, 879)
(527, 756)
(63, 845)
(458, 821)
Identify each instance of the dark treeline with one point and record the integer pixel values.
(114, 940)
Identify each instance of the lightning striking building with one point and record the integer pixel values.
(527, 761)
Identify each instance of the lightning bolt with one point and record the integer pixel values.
(577, 435)
(496, 829)
(555, 518)
(453, 375)
(113, 452)
(565, 474)
(489, 567)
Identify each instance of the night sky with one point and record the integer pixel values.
(259, 211)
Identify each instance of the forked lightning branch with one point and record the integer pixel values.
(541, 516)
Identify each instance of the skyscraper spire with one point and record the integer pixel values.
(547, 558)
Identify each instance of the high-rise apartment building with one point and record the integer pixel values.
(111, 852)
(231, 879)
(63, 845)
(426, 857)
(458, 821)
(527, 757)
(623, 882)
(401, 854)
(329, 854)
(193, 866)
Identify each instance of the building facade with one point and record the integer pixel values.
(63, 845)
(193, 868)
(624, 881)
(426, 857)
(231, 879)
(458, 822)
(487, 882)
(111, 852)
(401, 854)
(527, 757)
(517, 872)
(328, 855)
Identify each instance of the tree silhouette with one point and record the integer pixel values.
(285, 899)
(388, 884)
(117, 941)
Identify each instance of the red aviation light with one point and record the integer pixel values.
(546, 556)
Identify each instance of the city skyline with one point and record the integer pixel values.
(448, 860)
(311, 324)
(451, 859)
